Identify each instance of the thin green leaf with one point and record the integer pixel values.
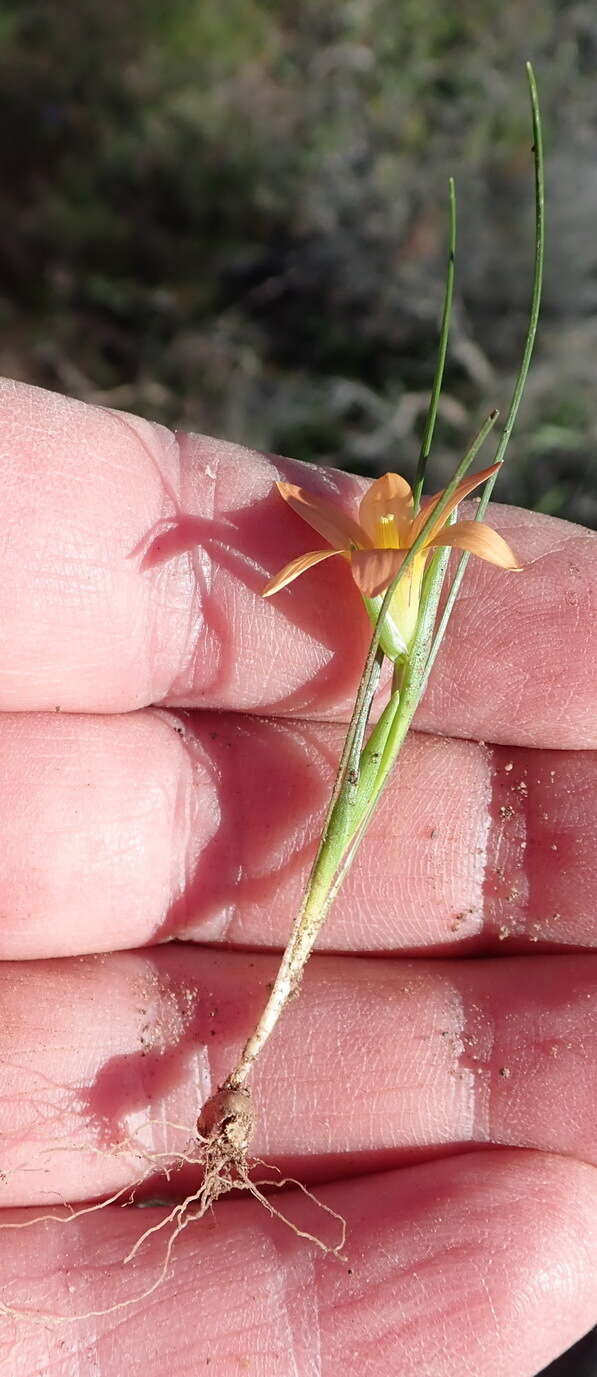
(526, 357)
(441, 357)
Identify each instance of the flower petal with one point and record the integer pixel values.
(324, 517)
(295, 568)
(373, 570)
(387, 496)
(480, 540)
(468, 485)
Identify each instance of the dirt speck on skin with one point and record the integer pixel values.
(460, 918)
(164, 1010)
(457, 922)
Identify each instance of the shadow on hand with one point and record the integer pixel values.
(272, 789)
(248, 544)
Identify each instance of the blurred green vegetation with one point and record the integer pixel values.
(233, 216)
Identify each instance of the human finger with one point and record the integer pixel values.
(132, 566)
(481, 1264)
(124, 830)
(379, 1062)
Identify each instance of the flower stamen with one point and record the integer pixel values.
(387, 532)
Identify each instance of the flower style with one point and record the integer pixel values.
(377, 544)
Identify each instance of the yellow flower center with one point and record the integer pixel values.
(387, 533)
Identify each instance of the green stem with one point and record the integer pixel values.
(334, 831)
(525, 361)
(442, 351)
(362, 777)
(358, 798)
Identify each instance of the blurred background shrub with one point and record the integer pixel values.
(232, 216)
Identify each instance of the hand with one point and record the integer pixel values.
(167, 749)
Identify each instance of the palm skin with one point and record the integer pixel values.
(168, 746)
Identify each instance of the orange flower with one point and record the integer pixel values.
(387, 527)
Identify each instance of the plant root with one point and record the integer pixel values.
(219, 1147)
